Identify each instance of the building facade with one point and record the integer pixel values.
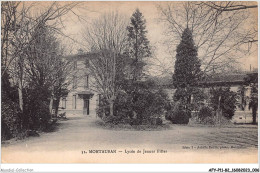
(234, 81)
(82, 98)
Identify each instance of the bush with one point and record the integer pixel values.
(11, 123)
(41, 118)
(138, 104)
(211, 120)
(227, 102)
(111, 119)
(156, 121)
(123, 106)
(103, 108)
(36, 109)
(178, 115)
(148, 103)
(205, 112)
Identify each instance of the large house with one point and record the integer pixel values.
(82, 98)
(235, 81)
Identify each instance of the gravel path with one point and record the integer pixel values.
(184, 144)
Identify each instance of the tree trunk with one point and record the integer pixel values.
(20, 94)
(51, 105)
(56, 105)
(254, 114)
(189, 99)
(111, 108)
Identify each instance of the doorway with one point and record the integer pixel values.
(86, 107)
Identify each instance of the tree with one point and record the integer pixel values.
(252, 81)
(187, 71)
(30, 57)
(223, 101)
(45, 68)
(106, 37)
(138, 44)
(228, 6)
(222, 37)
(9, 27)
(20, 27)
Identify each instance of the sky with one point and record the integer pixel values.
(88, 11)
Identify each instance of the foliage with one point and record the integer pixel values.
(124, 105)
(31, 51)
(210, 120)
(190, 97)
(36, 117)
(198, 97)
(10, 119)
(252, 81)
(139, 104)
(220, 35)
(112, 119)
(205, 112)
(186, 73)
(224, 99)
(7, 91)
(10, 112)
(138, 44)
(187, 65)
(177, 114)
(107, 38)
(147, 102)
(244, 99)
(103, 108)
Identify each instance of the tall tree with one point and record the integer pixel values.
(44, 67)
(252, 81)
(20, 28)
(138, 44)
(223, 37)
(107, 39)
(187, 68)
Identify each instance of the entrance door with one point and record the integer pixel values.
(86, 107)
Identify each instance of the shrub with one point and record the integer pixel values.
(181, 117)
(112, 119)
(11, 123)
(156, 121)
(178, 115)
(205, 112)
(140, 103)
(38, 116)
(211, 120)
(208, 121)
(148, 103)
(36, 108)
(225, 99)
(123, 106)
(103, 108)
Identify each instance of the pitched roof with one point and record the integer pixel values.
(224, 79)
(216, 79)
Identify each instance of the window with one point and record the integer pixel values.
(74, 102)
(86, 85)
(64, 103)
(75, 65)
(74, 84)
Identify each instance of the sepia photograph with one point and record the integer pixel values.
(129, 82)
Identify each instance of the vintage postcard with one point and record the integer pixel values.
(129, 82)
